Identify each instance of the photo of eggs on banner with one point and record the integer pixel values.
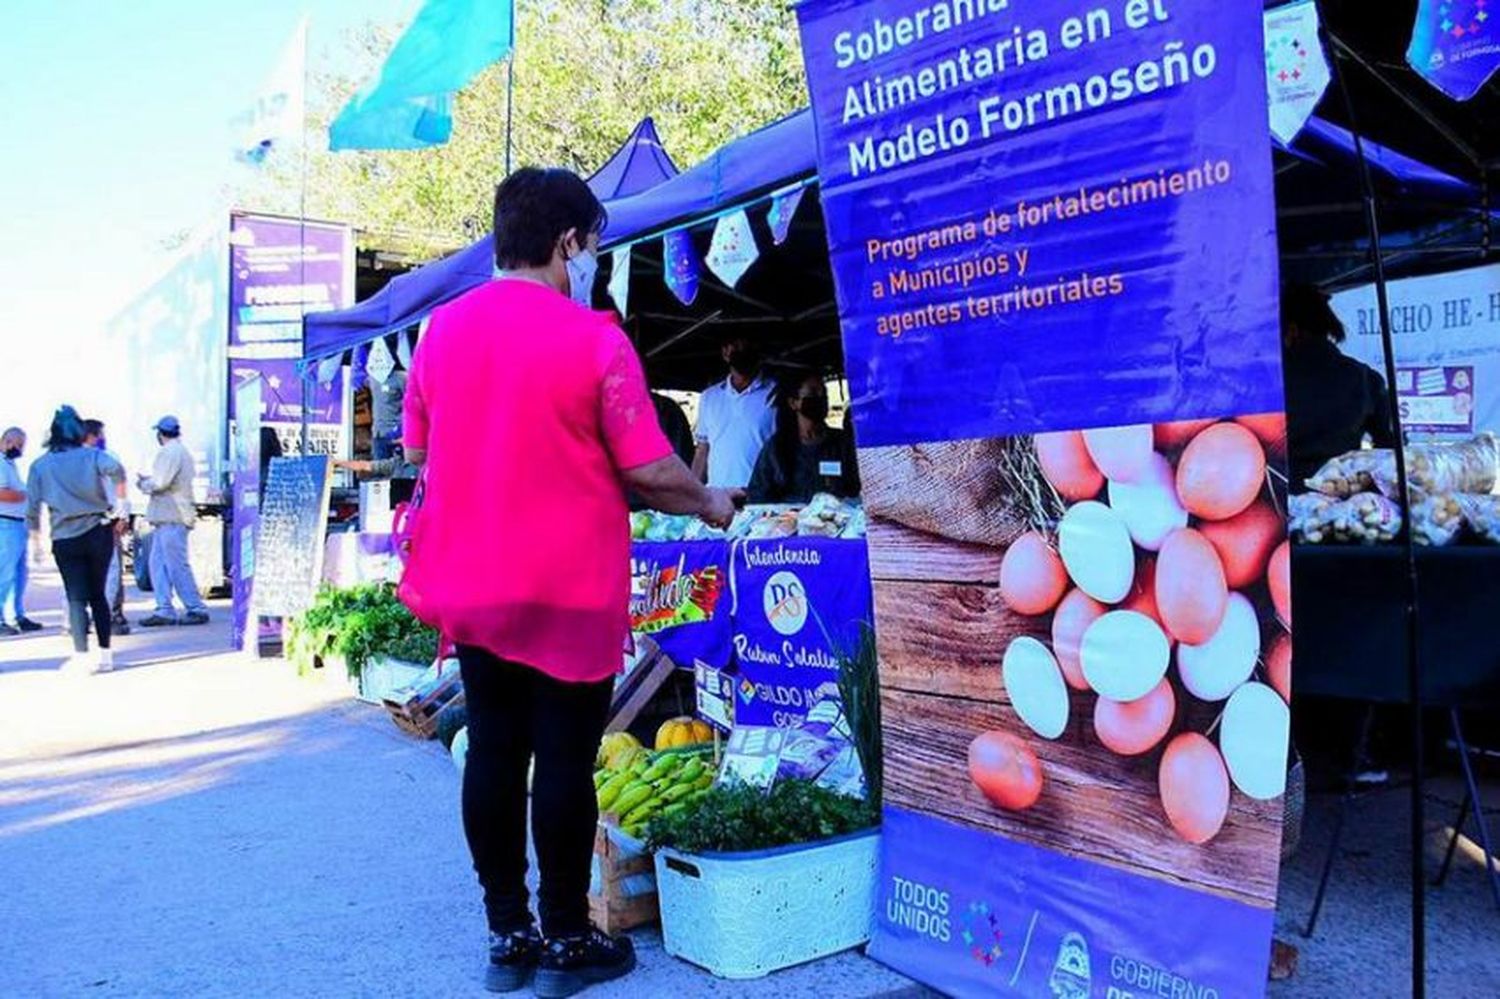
(1154, 577)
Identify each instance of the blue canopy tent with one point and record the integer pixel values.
(638, 165)
(786, 299)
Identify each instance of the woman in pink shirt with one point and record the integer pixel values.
(531, 415)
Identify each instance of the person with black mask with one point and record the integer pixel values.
(735, 418)
(805, 456)
(1332, 400)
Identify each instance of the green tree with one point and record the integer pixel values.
(586, 71)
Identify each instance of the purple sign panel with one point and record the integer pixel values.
(280, 270)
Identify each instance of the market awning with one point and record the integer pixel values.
(639, 165)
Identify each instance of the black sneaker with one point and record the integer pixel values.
(571, 964)
(513, 958)
(119, 626)
(195, 617)
(26, 625)
(159, 621)
(8, 631)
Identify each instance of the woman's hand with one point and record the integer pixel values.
(721, 506)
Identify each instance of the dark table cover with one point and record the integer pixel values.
(1350, 636)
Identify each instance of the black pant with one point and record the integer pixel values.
(84, 564)
(515, 713)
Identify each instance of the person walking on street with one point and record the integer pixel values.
(171, 513)
(557, 394)
(70, 480)
(114, 586)
(13, 536)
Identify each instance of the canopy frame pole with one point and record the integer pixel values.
(1413, 642)
(1347, 51)
(705, 321)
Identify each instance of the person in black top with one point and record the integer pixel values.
(674, 423)
(1332, 400)
(805, 456)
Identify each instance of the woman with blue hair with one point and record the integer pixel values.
(70, 481)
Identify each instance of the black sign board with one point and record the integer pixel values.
(289, 536)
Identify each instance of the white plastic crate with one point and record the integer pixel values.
(745, 915)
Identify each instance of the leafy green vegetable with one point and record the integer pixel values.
(358, 623)
(859, 689)
(738, 818)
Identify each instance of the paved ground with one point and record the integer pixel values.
(202, 825)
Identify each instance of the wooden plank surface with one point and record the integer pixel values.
(1094, 805)
(899, 552)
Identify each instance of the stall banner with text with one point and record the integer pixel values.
(1446, 329)
(679, 595)
(1053, 240)
(798, 603)
(280, 270)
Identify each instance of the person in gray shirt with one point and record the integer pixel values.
(74, 484)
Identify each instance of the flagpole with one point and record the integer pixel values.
(302, 238)
(510, 97)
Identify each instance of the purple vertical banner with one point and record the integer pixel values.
(1052, 233)
(280, 270)
(245, 499)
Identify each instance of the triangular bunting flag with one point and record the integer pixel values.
(381, 363)
(1455, 45)
(682, 265)
(1296, 69)
(783, 207)
(328, 369)
(403, 348)
(619, 280)
(733, 251)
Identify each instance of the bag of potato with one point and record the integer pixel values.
(1350, 473)
(1471, 466)
(953, 489)
(1482, 514)
(1436, 520)
(1310, 517)
(1367, 518)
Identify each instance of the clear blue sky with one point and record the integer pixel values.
(116, 135)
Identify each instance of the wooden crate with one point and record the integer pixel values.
(418, 714)
(610, 908)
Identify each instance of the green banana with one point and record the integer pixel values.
(674, 809)
(690, 771)
(633, 795)
(641, 812)
(610, 792)
(601, 777)
(661, 768)
(676, 792)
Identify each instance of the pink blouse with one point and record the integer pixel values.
(529, 406)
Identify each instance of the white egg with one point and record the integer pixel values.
(1149, 507)
(1253, 737)
(1124, 655)
(1034, 682)
(1096, 550)
(1214, 670)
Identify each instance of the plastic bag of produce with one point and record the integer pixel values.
(1482, 513)
(1368, 518)
(824, 517)
(1436, 520)
(1470, 466)
(1349, 473)
(857, 526)
(777, 525)
(1310, 517)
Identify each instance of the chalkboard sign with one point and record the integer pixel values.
(289, 535)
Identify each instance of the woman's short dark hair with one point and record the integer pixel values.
(66, 430)
(93, 428)
(1307, 308)
(534, 207)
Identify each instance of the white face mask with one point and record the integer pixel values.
(581, 272)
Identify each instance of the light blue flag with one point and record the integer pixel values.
(408, 105)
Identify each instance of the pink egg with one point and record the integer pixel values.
(1194, 786)
(1077, 611)
(1032, 577)
(1269, 427)
(1279, 580)
(1122, 453)
(1174, 436)
(1191, 591)
(1067, 466)
(1221, 472)
(1005, 770)
(1245, 542)
(1142, 597)
(1279, 666)
(1136, 727)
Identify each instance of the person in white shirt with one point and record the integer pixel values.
(13, 536)
(172, 514)
(735, 419)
